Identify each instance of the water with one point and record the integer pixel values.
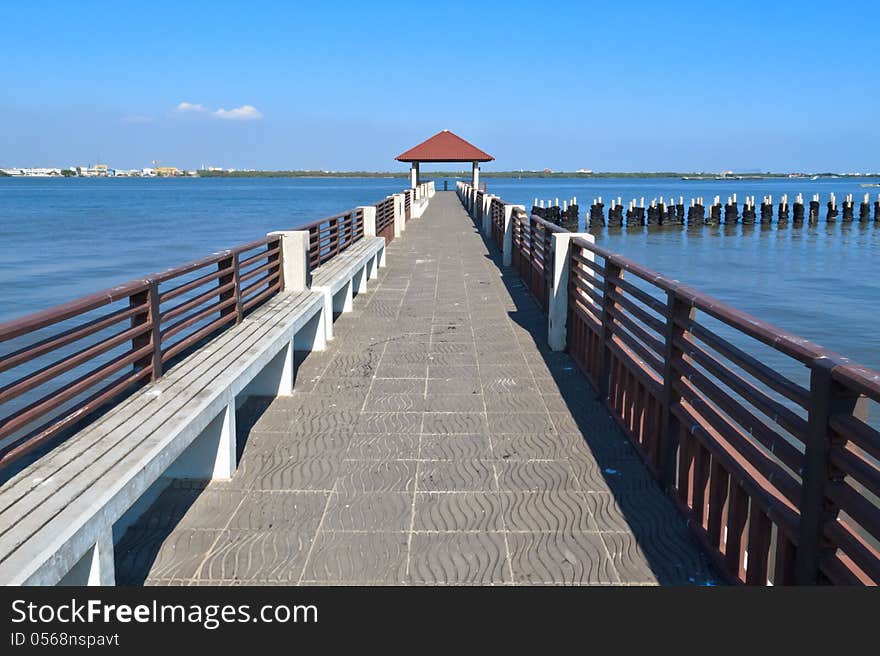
(63, 238)
(60, 239)
(821, 282)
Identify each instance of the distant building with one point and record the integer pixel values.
(167, 171)
(585, 171)
(148, 173)
(32, 172)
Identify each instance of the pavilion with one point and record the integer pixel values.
(444, 146)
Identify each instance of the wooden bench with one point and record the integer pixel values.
(346, 275)
(59, 515)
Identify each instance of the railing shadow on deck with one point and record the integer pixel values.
(660, 532)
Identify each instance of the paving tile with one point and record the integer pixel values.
(560, 558)
(535, 476)
(389, 422)
(275, 510)
(521, 422)
(279, 471)
(383, 447)
(455, 447)
(448, 423)
(357, 476)
(257, 557)
(456, 403)
(458, 511)
(457, 476)
(452, 386)
(352, 558)
(458, 559)
(373, 511)
(554, 511)
(156, 554)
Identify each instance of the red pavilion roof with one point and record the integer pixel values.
(444, 147)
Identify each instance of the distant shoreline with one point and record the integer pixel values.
(466, 175)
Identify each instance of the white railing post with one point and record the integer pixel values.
(369, 212)
(507, 244)
(487, 215)
(557, 312)
(399, 214)
(295, 258)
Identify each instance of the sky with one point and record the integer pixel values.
(609, 86)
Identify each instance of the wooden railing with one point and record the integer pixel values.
(75, 358)
(777, 474)
(497, 212)
(541, 259)
(385, 219)
(407, 204)
(332, 235)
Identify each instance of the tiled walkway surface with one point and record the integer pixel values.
(437, 441)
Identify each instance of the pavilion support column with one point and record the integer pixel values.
(475, 175)
(414, 175)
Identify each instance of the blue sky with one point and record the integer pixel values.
(639, 85)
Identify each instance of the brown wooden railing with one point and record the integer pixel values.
(478, 207)
(777, 475)
(497, 210)
(332, 235)
(521, 240)
(407, 204)
(541, 255)
(385, 219)
(75, 358)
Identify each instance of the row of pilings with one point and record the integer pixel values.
(664, 211)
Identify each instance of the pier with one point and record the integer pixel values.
(439, 388)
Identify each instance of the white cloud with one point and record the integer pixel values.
(190, 107)
(243, 113)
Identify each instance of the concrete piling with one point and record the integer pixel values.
(831, 215)
(767, 210)
(748, 214)
(848, 209)
(715, 211)
(814, 210)
(798, 210)
(696, 215)
(615, 213)
(597, 213)
(731, 210)
(782, 210)
(865, 209)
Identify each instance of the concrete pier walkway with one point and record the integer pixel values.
(436, 441)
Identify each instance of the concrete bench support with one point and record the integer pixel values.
(313, 335)
(96, 567)
(557, 314)
(212, 454)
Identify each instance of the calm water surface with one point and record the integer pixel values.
(60, 239)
